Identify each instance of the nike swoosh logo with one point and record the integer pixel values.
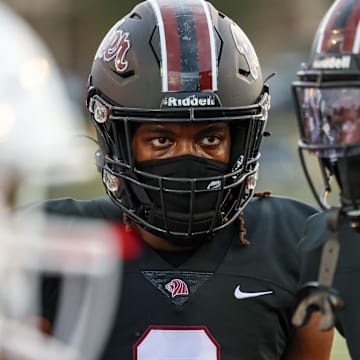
(244, 295)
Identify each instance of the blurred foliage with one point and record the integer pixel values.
(74, 33)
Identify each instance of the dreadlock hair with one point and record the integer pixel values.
(127, 222)
(242, 229)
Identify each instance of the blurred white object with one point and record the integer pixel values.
(38, 122)
(39, 127)
(86, 256)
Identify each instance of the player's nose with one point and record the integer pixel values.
(185, 147)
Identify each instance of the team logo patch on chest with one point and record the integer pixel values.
(178, 286)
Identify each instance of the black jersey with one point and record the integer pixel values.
(347, 276)
(226, 301)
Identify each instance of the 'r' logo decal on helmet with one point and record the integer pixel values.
(115, 47)
(188, 56)
(177, 287)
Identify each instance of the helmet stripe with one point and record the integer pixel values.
(351, 31)
(356, 47)
(188, 61)
(326, 26)
(164, 67)
(338, 18)
(189, 46)
(206, 43)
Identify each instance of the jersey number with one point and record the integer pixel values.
(177, 342)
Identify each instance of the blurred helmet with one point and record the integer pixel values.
(177, 61)
(38, 121)
(37, 146)
(327, 97)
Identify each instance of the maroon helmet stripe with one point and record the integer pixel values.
(172, 45)
(343, 16)
(187, 45)
(351, 27)
(204, 47)
(328, 27)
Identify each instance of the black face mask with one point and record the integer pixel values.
(189, 206)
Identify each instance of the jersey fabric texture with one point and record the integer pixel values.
(226, 301)
(346, 279)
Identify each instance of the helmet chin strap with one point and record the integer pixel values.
(319, 295)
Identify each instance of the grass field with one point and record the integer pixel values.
(339, 350)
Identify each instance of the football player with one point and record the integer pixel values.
(179, 104)
(327, 97)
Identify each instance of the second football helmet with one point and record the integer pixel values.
(327, 97)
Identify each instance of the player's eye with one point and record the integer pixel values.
(211, 140)
(160, 141)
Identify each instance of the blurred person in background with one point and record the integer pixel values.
(38, 126)
(179, 104)
(327, 97)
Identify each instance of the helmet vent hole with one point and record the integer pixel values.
(135, 16)
(244, 72)
(128, 74)
(125, 74)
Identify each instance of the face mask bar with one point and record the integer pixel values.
(327, 175)
(329, 119)
(329, 122)
(246, 183)
(242, 176)
(346, 175)
(104, 115)
(115, 126)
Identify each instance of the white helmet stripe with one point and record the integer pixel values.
(199, 72)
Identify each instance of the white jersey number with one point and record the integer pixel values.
(177, 342)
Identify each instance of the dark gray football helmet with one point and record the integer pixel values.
(327, 98)
(177, 61)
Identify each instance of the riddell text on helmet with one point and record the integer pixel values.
(192, 100)
(333, 62)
